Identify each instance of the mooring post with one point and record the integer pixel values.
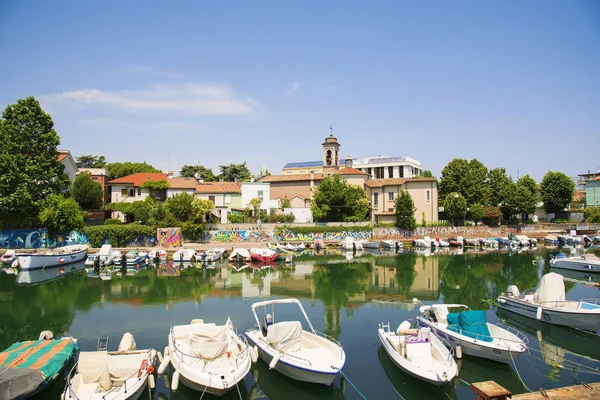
(490, 390)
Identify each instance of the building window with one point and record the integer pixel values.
(131, 192)
(379, 172)
(428, 195)
(391, 196)
(401, 170)
(227, 199)
(390, 172)
(211, 198)
(140, 191)
(375, 199)
(124, 192)
(260, 194)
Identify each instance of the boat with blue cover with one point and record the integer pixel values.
(27, 368)
(470, 329)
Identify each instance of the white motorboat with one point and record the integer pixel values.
(472, 332)
(158, 254)
(392, 244)
(350, 244)
(418, 352)
(90, 259)
(207, 357)
(442, 242)
(239, 254)
(104, 375)
(262, 254)
(107, 255)
(47, 258)
(212, 255)
(366, 244)
(584, 262)
(304, 355)
(548, 304)
(423, 243)
(185, 255)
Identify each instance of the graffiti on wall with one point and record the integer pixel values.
(168, 237)
(140, 241)
(439, 231)
(38, 238)
(281, 235)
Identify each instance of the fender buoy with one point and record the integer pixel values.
(61, 261)
(538, 314)
(253, 353)
(274, 361)
(164, 364)
(62, 270)
(151, 381)
(175, 381)
(159, 356)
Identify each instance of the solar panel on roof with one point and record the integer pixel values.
(304, 164)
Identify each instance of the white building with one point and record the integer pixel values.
(384, 167)
(262, 190)
(129, 188)
(66, 159)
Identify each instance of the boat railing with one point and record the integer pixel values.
(479, 336)
(522, 338)
(333, 340)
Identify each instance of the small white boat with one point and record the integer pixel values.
(493, 243)
(472, 332)
(423, 243)
(120, 375)
(366, 244)
(47, 258)
(418, 352)
(107, 255)
(207, 357)
(158, 254)
(185, 255)
(89, 261)
(239, 254)
(212, 255)
(262, 254)
(350, 244)
(8, 257)
(136, 257)
(585, 262)
(304, 355)
(392, 244)
(548, 304)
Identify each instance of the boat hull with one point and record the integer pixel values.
(585, 321)
(295, 372)
(473, 347)
(575, 265)
(51, 259)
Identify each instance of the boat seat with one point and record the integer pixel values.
(418, 352)
(86, 390)
(394, 343)
(285, 336)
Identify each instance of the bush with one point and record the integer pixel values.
(593, 215)
(113, 221)
(118, 235)
(492, 216)
(236, 219)
(192, 232)
(326, 229)
(512, 221)
(559, 221)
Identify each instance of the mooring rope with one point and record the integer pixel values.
(517, 371)
(348, 379)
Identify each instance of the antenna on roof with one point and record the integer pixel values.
(331, 130)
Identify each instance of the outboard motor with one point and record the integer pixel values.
(266, 322)
(513, 290)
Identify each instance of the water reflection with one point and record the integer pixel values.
(46, 274)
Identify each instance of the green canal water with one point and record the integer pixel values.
(345, 297)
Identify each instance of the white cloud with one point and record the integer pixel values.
(187, 98)
(293, 87)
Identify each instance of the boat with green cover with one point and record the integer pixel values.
(27, 368)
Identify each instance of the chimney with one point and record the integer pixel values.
(169, 174)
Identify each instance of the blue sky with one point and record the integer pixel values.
(511, 83)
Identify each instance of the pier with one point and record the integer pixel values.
(490, 390)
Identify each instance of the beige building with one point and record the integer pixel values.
(383, 193)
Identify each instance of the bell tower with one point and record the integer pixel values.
(331, 150)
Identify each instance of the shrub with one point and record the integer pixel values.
(118, 235)
(236, 219)
(326, 229)
(593, 215)
(113, 221)
(492, 216)
(192, 232)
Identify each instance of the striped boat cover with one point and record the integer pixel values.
(46, 356)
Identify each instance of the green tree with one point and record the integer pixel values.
(86, 192)
(119, 170)
(593, 215)
(464, 177)
(477, 212)
(526, 194)
(180, 205)
(90, 161)
(142, 214)
(405, 211)
(509, 205)
(492, 215)
(427, 174)
(455, 206)
(190, 171)
(335, 200)
(200, 208)
(29, 167)
(233, 172)
(496, 186)
(254, 206)
(59, 214)
(530, 184)
(557, 191)
(285, 203)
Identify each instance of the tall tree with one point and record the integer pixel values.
(87, 193)
(335, 200)
(455, 206)
(477, 212)
(557, 191)
(405, 211)
(200, 208)
(29, 167)
(190, 171)
(118, 169)
(464, 177)
(233, 172)
(527, 195)
(90, 161)
(496, 185)
(181, 205)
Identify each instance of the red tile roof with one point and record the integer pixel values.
(351, 171)
(139, 178)
(182, 183)
(218, 187)
(396, 181)
(62, 156)
(290, 178)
